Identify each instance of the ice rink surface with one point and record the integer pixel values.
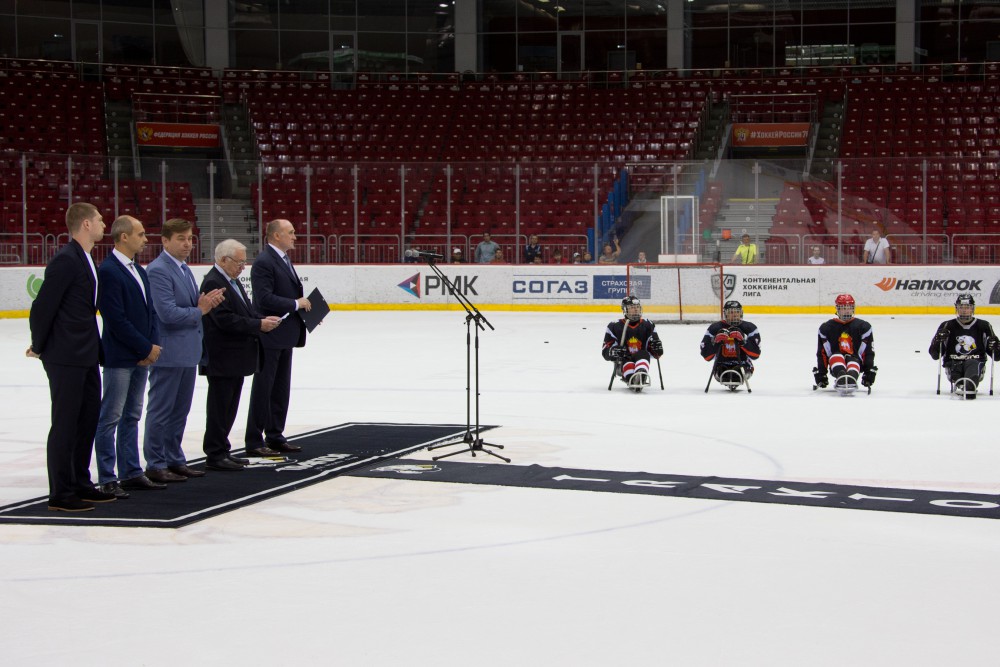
(357, 571)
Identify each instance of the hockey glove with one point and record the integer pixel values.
(993, 345)
(868, 378)
(736, 335)
(655, 347)
(721, 337)
(820, 378)
(616, 353)
(941, 338)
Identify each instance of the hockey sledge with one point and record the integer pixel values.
(731, 379)
(846, 385)
(964, 388)
(638, 381)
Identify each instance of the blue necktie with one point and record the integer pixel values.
(236, 286)
(194, 285)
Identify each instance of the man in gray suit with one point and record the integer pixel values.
(179, 309)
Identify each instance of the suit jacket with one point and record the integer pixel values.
(232, 331)
(63, 317)
(175, 300)
(275, 289)
(130, 327)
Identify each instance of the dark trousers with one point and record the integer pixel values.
(272, 384)
(222, 405)
(973, 369)
(76, 407)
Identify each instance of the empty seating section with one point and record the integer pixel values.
(927, 153)
(555, 132)
(54, 119)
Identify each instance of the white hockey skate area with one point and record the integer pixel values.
(357, 571)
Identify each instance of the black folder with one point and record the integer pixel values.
(320, 309)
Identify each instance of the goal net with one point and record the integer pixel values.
(688, 293)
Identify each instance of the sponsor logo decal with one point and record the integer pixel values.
(930, 286)
(728, 283)
(34, 284)
(411, 285)
(618, 287)
(534, 286)
(409, 469)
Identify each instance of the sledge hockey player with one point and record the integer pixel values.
(630, 342)
(846, 349)
(962, 345)
(733, 343)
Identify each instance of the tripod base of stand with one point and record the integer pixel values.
(471, 445)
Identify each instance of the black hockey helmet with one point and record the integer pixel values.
(732, 312)
(965, 308)
(632, 309)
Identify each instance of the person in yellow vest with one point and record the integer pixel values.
(746, 252)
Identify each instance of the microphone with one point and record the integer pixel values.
(424, 255)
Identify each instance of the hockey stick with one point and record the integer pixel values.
(746, 381)
(620, 343)
(991, 374)
(710, 376)
(940, 356)
(662, 388)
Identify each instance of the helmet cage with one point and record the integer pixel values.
(965, 312)
(732, 313)
(632, 309)
(845, 311)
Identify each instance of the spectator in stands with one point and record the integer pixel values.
(538, 260)
(557, 257)
(456, 256)
(532, 250)
(816, 257)
(641, 259)
(486, 249)
(577, 259)
(877, 250)
(498, 258)
(587, 257)
(609, 256)
(746, 252)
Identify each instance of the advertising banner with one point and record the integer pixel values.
(762, 289)
(177, 135)
(765, 135)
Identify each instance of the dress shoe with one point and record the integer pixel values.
(262, 451)
(284, 447)
(237, 459)
(92, 495)
(186, 471)
(142, 483)
(224, 465)
(115, 489)
(164, 476)
(70, 505)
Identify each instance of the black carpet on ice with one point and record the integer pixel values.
(325, 454)
(778, 492)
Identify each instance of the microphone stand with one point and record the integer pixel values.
(472, 441)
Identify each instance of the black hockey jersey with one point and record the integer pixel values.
(731, 350)
(637, 337)
(965, 341)
(853, 338)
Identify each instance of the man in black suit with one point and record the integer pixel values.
(64, 335)
(277, 290)
(232, 351)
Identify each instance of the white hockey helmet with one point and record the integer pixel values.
(632, 309)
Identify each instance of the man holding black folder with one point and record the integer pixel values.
(277, 290)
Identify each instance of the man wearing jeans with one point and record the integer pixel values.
(129, 340)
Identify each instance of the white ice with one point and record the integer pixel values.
(380, 572)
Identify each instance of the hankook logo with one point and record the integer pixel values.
(930, 285)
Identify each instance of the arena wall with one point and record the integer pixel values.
(903, 289)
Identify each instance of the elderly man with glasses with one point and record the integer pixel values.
(232, 352)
